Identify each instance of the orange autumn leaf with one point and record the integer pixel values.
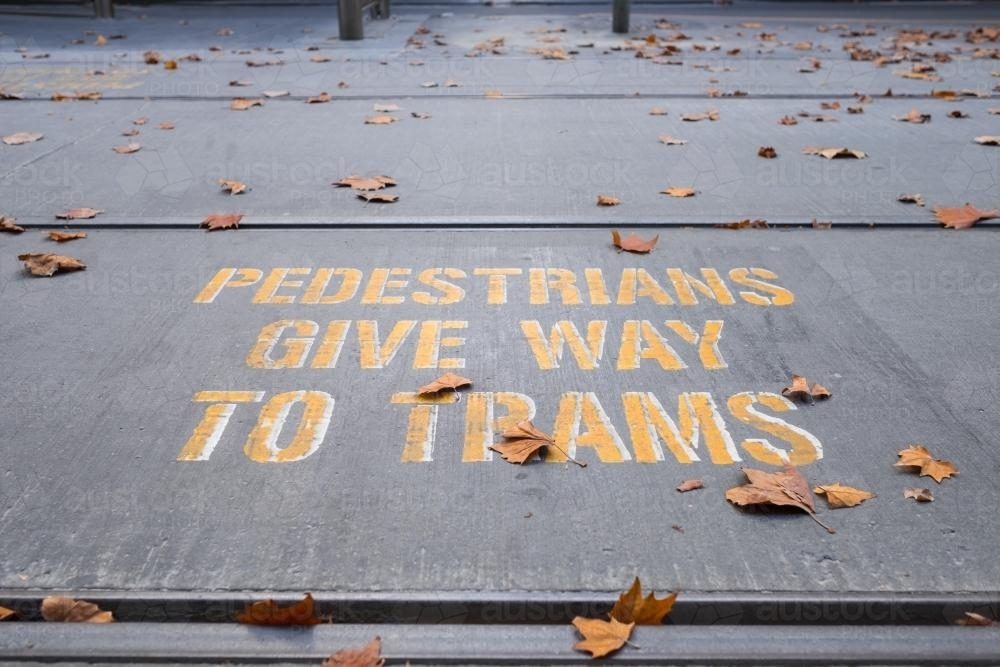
(78, 213)
(839, 496)
(127, 148)
(269, 612)
(918, 494)
(242, 104)
(446, 381)
(234, 187)
(370, 655)
(767, 152)
(216, 221)
(46, 264)
(677, 191)
(380, 120)
(690, 485)
(524, 441)
(632, 607)
(62, 237)
(608, 200)
(67, 610)
(671, 141)
(914, 116)
(365, 182)
(378, 197)
(601, 637)
(785, 488)
(19, 138)
(962, 217)
(7, 614)
(988, 140)
(7, 225)
(633, 243)
(918, 456)
(322, 98)
(974, 619)
(799, 389)
(711, 114)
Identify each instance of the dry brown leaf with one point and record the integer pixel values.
(67, 610)
(744, 224)
(446, 381)
(265, 63)
(127, 148)
(633, 243)
(493, 94)
(857, 109)
(657, 111)
(839, 496)
(369, 655)
(632, 607)
(524, 442)
(151, 57)
(380, 120)
(918, 456)
(19, 138)
(830, 106)
(675, 191)
(234, 187)
(608, 200)
(922, 76)
(963, 216)
(78, 213)
(555, 54)
(63, 237)
(690, 485)
(671, 141)
(7, 225)
(601, 637)
(957, 113)
(269, 612)
(820, 224)
(319, 58)
(832, 153)
(378, 197)
(322, 98)
(386, 108)
(166, 125)
(170, 64)
(421, 115)
(7, 614)
(914, 198)
(993, 111)
(785, 488)
(914, 116)
(75, 97)
(974, 619)
(787, 120)
(918, 494)
(141, 120)
(365, 182)
(216, 221)
(242, 104)
(711, 114)
(819, 392)
(988, 140)
(239, 83)
(799, 389)
(767, 151)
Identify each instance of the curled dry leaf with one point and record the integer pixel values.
(265, 63)
(75, 97)
(67, 610)
(322, 98)
(918, 456)
(446, 381)
(799, 389)
(819, 392)
(269, 612)
(914, 198)
(833, 153)
(239, 83)
(63, 237)
(993, 111)
(429, 84)
(166, 125)
(830, 106)
(918, 494)
(839, 496)
(785, 488)
(820, 224)
(601, 637)
(914, 116)
(7, 225)
(787, 120)
(657, 111)
(386, 108)
(370, 655)
(711, 114)
(170, 64)
(957, 113)
(19, 138)
(671, 141)
(962, 217)
(632, 607)
(141, 120)
(151, 57)
(524, 441)
(127, 148)
(633, 243)
(78, 214)
(216, 221)
(365, 182)
(380, 120)
(242, 104)
(675, 191)
(988, 140)
(608, 200)
(319, 58)
(421, 115)
(767, 151)
(234, 187)
(275, 93)
(131, 132)
(690, 485)
(744, 224)
(378, 197)
(7, 614)
(974, 619)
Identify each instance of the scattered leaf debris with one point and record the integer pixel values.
(657, 111)
(608, 200)
(233, 187)
(7, 225)
(79, 214)
(63, 237)
(746, 223)
(914, 116)
(215, 221)
(799, 389)
(788, 120)
(19, 138)
(378, 197)
(322, 98)
(710, 114)
(918, 456)
(47, 264)
(671, 141)
(690, 485)
(767, 152)
(383, 119)
(914, 198)
(918, 494)
(633, 243)
(127, 148)
(839, 496)
(677, 191)
(269, 612)
(370, 655)
(365, 183)
(243, 103)
(988, 140)
(67, 610)
(446, 381)
(785, 488)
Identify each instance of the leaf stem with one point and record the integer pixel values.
(579, 463)
(828, 528)
(632, 645)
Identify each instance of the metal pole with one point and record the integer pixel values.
(352, 26)
(104, 9)
(619, 16)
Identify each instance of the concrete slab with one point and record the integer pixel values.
(114, 368)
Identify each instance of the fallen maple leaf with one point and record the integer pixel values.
(78, 213)
(838, 496)
(601, 637)
(446, 381)
(216, 221)
(62, 237)
(767, 151)
(918, 456)
(19, 138)
(322, 98)
(379, 197)
(380, 120)
(671, 141)
(7, 225)
(690, 485)
(127, 148)
(234, 187)
(785, 488)
(68, 610)
(832, 153)
(633, 608)
(269, 612)
(915, 198)
(365, 182)
(787, 120)
(963, 216)
(608, 200)
(46, 264)
(369, 655)
(711, 114)
(974, 619)
(914, 116)
(918, 494)
(7, 614)
(242, 104)
(675, 191)
(988, 140)
(633, 243)
(525, 442)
